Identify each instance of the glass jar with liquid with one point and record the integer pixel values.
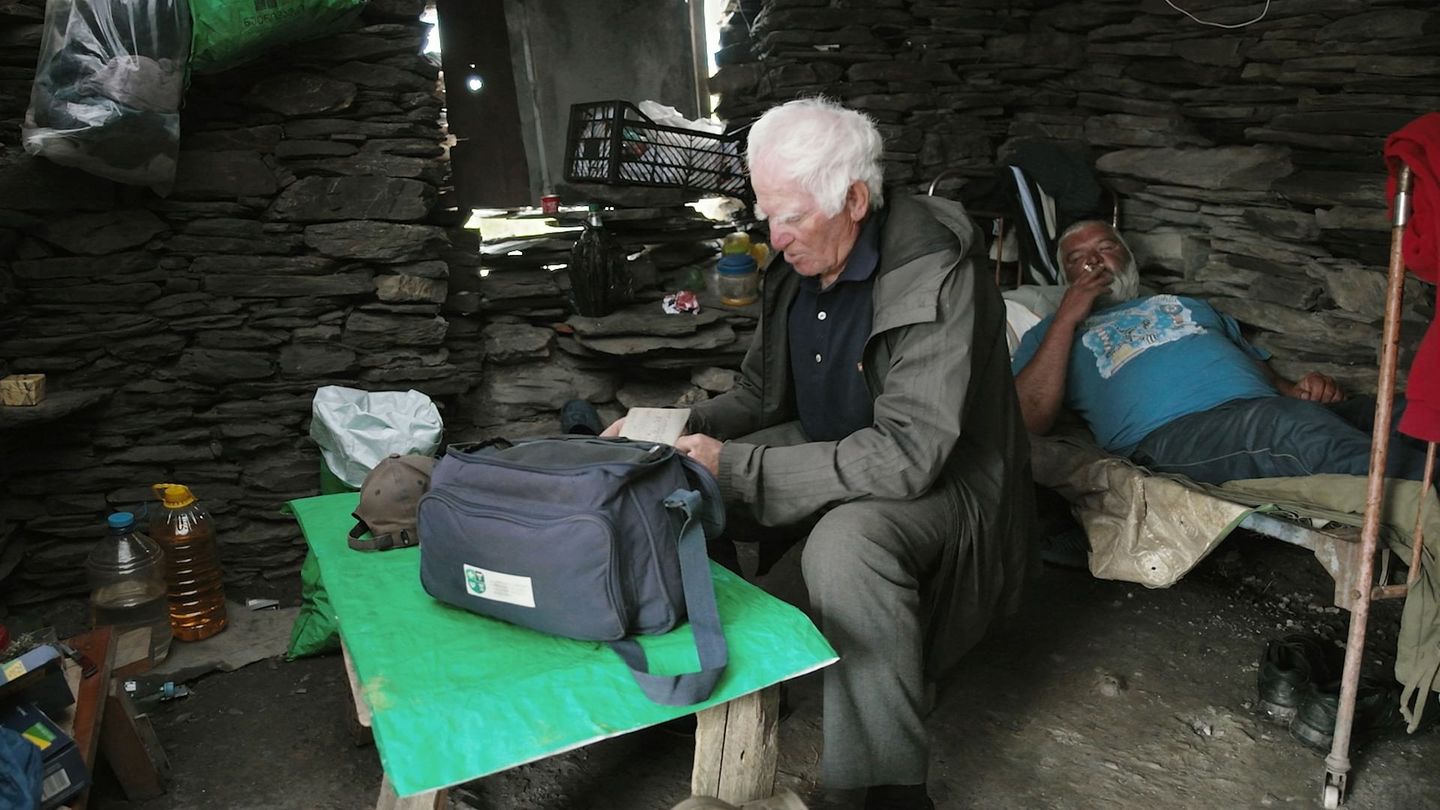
(737, 279)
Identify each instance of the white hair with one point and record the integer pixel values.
(1126, 284)
(821, 146)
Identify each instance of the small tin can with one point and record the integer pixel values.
(550, 204)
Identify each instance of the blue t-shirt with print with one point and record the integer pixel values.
(1141, 364)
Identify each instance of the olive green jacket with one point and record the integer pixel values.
(937, 365)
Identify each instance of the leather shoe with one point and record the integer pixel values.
(1289, 670)
(1377, 710)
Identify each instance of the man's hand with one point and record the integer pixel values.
(703, 449)
(614, 429)
(1079, 299)
(1317, 387)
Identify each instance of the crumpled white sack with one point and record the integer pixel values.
(357, 429)
(666, 115)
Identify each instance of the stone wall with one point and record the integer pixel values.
(183, 338)
(1248, 159)
(308, 241)
(535, 358)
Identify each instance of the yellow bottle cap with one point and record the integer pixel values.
(174, 496)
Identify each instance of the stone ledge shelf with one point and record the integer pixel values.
(55, 406)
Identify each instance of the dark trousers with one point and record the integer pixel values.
(870, 567)
(1278, 436)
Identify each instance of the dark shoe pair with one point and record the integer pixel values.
(1290, 670)
(1377, 711)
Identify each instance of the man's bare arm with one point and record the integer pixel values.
(1041, 384)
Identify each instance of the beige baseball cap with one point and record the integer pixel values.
(389, 498)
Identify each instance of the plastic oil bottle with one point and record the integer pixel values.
(192, 563)
(126, 571)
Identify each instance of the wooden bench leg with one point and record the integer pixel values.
(359, 717)
(429, 800)
(736, 748)
(388, 799)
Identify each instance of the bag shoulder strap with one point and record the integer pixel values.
(689, 687)
(712, 504)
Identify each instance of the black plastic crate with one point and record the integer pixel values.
(612, 142)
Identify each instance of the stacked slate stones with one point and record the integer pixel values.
(307, 242)
(304, 245)
(538, 354)
(1248, 159)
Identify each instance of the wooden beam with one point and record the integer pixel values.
(429, 800)
(488, 164)
(736, 748)
(131, 748)
(99, 646)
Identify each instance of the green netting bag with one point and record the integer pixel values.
(228, 33)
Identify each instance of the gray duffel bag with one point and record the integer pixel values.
(583, 537)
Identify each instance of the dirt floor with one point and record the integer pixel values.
(1100, 695)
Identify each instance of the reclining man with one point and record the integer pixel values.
(1171, 383)
(876, 401)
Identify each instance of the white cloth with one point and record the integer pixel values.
(1018, 320)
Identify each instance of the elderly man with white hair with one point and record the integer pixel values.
(876, 404)
(1171, 383)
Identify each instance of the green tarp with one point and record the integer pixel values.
(455, 696)
(227, 33)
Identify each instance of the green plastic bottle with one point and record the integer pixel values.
(598, 280)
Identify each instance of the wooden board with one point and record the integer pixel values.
(736, 746)
(90, 693)
(131, 748)
(430, 800)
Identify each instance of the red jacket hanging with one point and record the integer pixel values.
(1417, 145)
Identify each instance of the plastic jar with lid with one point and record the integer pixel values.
(737, 279)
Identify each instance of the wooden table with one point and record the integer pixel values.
(452, 697)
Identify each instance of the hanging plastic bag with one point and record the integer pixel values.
(229, 33)
(356, 429)
(108, 86)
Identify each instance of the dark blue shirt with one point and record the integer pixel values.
(828, 329)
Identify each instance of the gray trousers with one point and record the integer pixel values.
(868, 567)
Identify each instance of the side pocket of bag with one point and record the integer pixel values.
(657, 598)
(553, 573)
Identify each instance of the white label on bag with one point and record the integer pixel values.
(509, 588)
